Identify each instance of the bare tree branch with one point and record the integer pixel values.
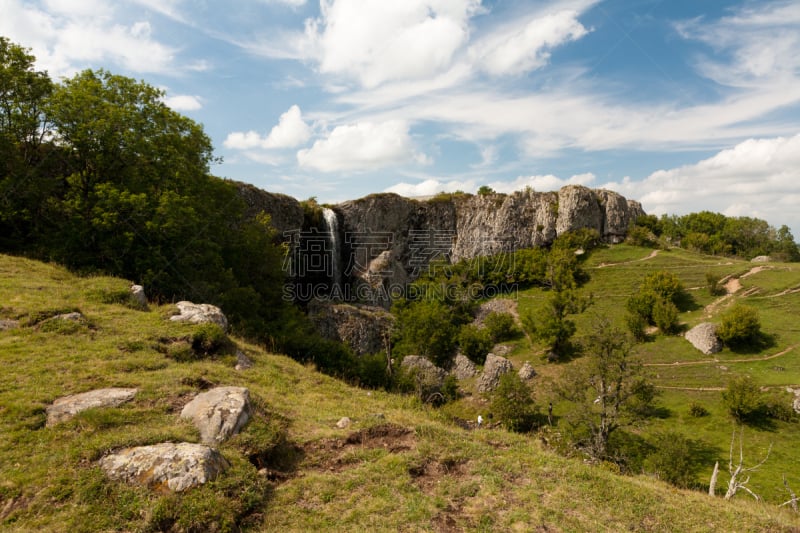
(735, 484)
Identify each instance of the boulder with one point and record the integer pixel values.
(463, 368)
(428, 377)
(796, 404)
(139, 297)
(242, 361)
(72, 317)
(344, 423)
(761, 259)
(219, 413)
(67, 407)
(704, 338)
(363, 328)
(493, 369)
(167, 466)
(527, 372)
(200, 314)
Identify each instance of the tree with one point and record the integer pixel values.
(740, 326)
(551, 325)
(603, 389)
(485, 190)
(512, 403)
(744, 400)
(475, 343)
(425, 328)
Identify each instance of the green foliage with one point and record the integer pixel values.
(475, 343)
(427, 328)
(450, 388)
(372, 371)
(663, 284)
(637, 326)
(655, 303)
(712, 281)
(209, 339)
(665, 316)
(485, 190)
(551, 325)
(673, 459)
(740, 326)
(744, 400)
(512, 404)
(501, 326)
(641, 236)
(697, 410)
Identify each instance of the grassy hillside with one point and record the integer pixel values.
(400, 466)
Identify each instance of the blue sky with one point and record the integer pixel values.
(684, 105)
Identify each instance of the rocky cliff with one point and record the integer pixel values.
(385, 240)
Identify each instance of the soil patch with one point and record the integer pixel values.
(337, 454)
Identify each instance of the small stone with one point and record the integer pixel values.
(6, 325)
(200, 314)
(67, 407)
(344, 423)
(242, 361)
(219, 413)
(137, 292)
(74, 317)
(527, 372)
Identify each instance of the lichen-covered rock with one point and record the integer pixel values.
(463, 368)
(168, 466)
(138, 295)
(493, 369)
(527, 372)
(344, 422)
(704, 338)
(6, 324)
(219, 413)
(67, 407)
(200, 314)
(363, 328)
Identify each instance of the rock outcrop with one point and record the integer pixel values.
(200, 314)
(168, 466)
(493, 370)
(285, 212)
(219, 413)
(463, 368)
(704, 338)
(526, 372)
(139, 296)
(363, 328)
(67, 407)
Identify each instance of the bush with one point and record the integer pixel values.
(712, 280)
(740, 326)
(744, 400)
(501, 326)
(209, 339)
(512, 403)
(475, 343)
(672, 459)
(637, 326)
(696, 410)
(665, 316)
(372, 371)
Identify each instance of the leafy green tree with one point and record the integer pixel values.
(551, 324)
(744, 400)
(740, 326)
(672, 459)
(485, 190)
(501, 326)
(605, 390)
(512, 403)
(474, 343)
(427, 328)
(665, 316)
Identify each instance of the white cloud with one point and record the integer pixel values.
(290, 3)
(542, 183)
(291, 131)
(184, 102)
(757, 178)
(526, 45)
(430, 187)
(362, 146)
(71, 34)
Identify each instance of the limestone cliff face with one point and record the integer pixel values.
(285, 211)
(388, 239)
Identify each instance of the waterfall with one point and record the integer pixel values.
(332, 226)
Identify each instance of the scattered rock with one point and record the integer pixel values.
(242, 361)
(761, 259)
(67, 407)
(428, 377)
(137, 291)
(527, 371)
(494, 367)
(6, 324)
(167, 466)
(502, 349)
(344, 423)
(200, 314)
(219, 413)
(723, 368)
(72, 317)
(463, 368)
(704, 338)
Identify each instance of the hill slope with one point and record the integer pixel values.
(400, 466)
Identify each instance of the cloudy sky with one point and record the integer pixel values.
(684, 105)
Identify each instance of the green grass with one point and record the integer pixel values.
(435, 476)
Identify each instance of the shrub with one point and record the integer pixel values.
(712, 280)
(664, 284)
(636, 325)
(209, 339)
(665, 316)
(672, 459)
(512, 403)
(485, 190)
(696, 410)
(740, 326)
(744, 400)
(475, 343)
(372, 371)
(501, 326)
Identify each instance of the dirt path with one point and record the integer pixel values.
(717, 361)
(732, 286)
(653, 254)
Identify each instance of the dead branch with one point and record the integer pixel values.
(793, 500)
(736, 482)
